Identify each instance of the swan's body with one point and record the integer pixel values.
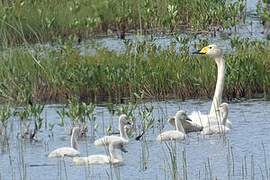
(218, 126)
(120, 140)
(206, 120)
(113, 158)
(67, 151)
(179, 133)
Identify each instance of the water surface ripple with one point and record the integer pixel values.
(207, 157)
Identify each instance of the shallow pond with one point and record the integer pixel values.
(241, 154)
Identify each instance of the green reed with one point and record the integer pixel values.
(79, 113)
(5, 114)
(159, 73)
(28, 115)
(42, 21)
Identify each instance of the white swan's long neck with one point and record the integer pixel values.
(179, 126)
(122, 130)
(113, 155)
(73, 140)
(219, 86)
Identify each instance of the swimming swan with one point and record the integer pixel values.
(218, 127)
(179, 133)
(68, 151)
(122, 139)
(214, 52)
(113, 158)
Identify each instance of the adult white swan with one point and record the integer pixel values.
(122, 139)
(201, 120)
(68, 151)
(178, 134)
(214, 52)
(112, 158)
(218, 126)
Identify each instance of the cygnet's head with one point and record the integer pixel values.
(224, 107)
(123, 119)
(211, 50)
(75, 131)
(181, 115)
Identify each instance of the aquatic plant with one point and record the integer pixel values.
(5, 114)
(37, 21)
(147, 120)
(35, 111)
(171, 163)
(28, 114)
(23, 115)
(79, 114)
(160, 73)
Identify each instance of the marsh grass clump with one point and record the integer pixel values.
(79, 113)
(171, 163)
(109, 76)
(145, 114)
(5, 114)
(43, 21)
(28, 115)
(263, 10)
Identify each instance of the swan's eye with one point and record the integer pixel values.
(210, 47)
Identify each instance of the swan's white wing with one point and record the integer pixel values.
(217, 129)
(64, 152)
(171, 135)
(228, 124)
(106, 140)
(207, 120)
(96, 159)
(91, 160)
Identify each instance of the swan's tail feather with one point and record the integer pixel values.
(52, 155)
(159, 138)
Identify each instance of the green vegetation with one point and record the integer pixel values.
(58, 75)
(40, 74)
(53, 20)
(263, 9)
(79, 114)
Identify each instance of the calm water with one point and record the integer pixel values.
(250, 133)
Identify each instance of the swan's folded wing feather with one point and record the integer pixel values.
(64, 152)
(216, 129)
(170, 136)
(91, 160)
(106, 140)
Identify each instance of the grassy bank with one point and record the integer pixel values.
(161, 73)
(51, 20)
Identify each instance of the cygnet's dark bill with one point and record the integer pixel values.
(122, 148)
(188, 119)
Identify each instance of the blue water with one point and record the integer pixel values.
(250, 133)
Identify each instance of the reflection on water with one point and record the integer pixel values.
(212, 156)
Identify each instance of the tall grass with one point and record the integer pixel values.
(160, 73)
(51, 20)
